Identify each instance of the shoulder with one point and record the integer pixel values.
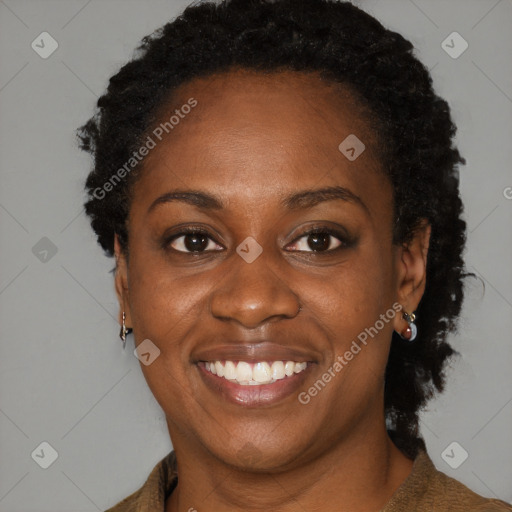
(451, 492)
(128, 504)
(428, 489)
(152, 495)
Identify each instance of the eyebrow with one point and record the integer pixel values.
(299, 200)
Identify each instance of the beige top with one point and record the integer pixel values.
(425, 490)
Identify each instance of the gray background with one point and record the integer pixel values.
(64, 377)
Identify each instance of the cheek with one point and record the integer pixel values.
(357, 315)
(163, 301)
(353, 295)
(166, 311)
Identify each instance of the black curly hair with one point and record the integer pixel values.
(345, 45)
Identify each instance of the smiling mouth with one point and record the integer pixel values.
(254, 373)
(254, 383)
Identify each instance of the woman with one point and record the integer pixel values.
(278, 185)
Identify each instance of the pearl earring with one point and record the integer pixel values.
(411, 331)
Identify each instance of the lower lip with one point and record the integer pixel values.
(253, 396)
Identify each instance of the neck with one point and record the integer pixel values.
(359, 473)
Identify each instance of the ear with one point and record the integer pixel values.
(121, 283)
(412, 272)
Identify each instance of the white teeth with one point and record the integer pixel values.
(254, 374)
(230, 370)
(261, 373)
(289, 368)
(278, 370)
(220, 368)
(243, 372)
(299, 367)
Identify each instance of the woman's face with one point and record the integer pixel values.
(255, 287)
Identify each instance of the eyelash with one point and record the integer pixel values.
(345, 241)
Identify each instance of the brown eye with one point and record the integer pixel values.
(321, 240)
(193, 241)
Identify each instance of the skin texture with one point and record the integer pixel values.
(252, 140)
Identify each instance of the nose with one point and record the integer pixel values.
(252, 294)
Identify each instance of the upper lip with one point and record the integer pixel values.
(253, 352)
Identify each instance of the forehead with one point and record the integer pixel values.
(253, 133)
(283, 106)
